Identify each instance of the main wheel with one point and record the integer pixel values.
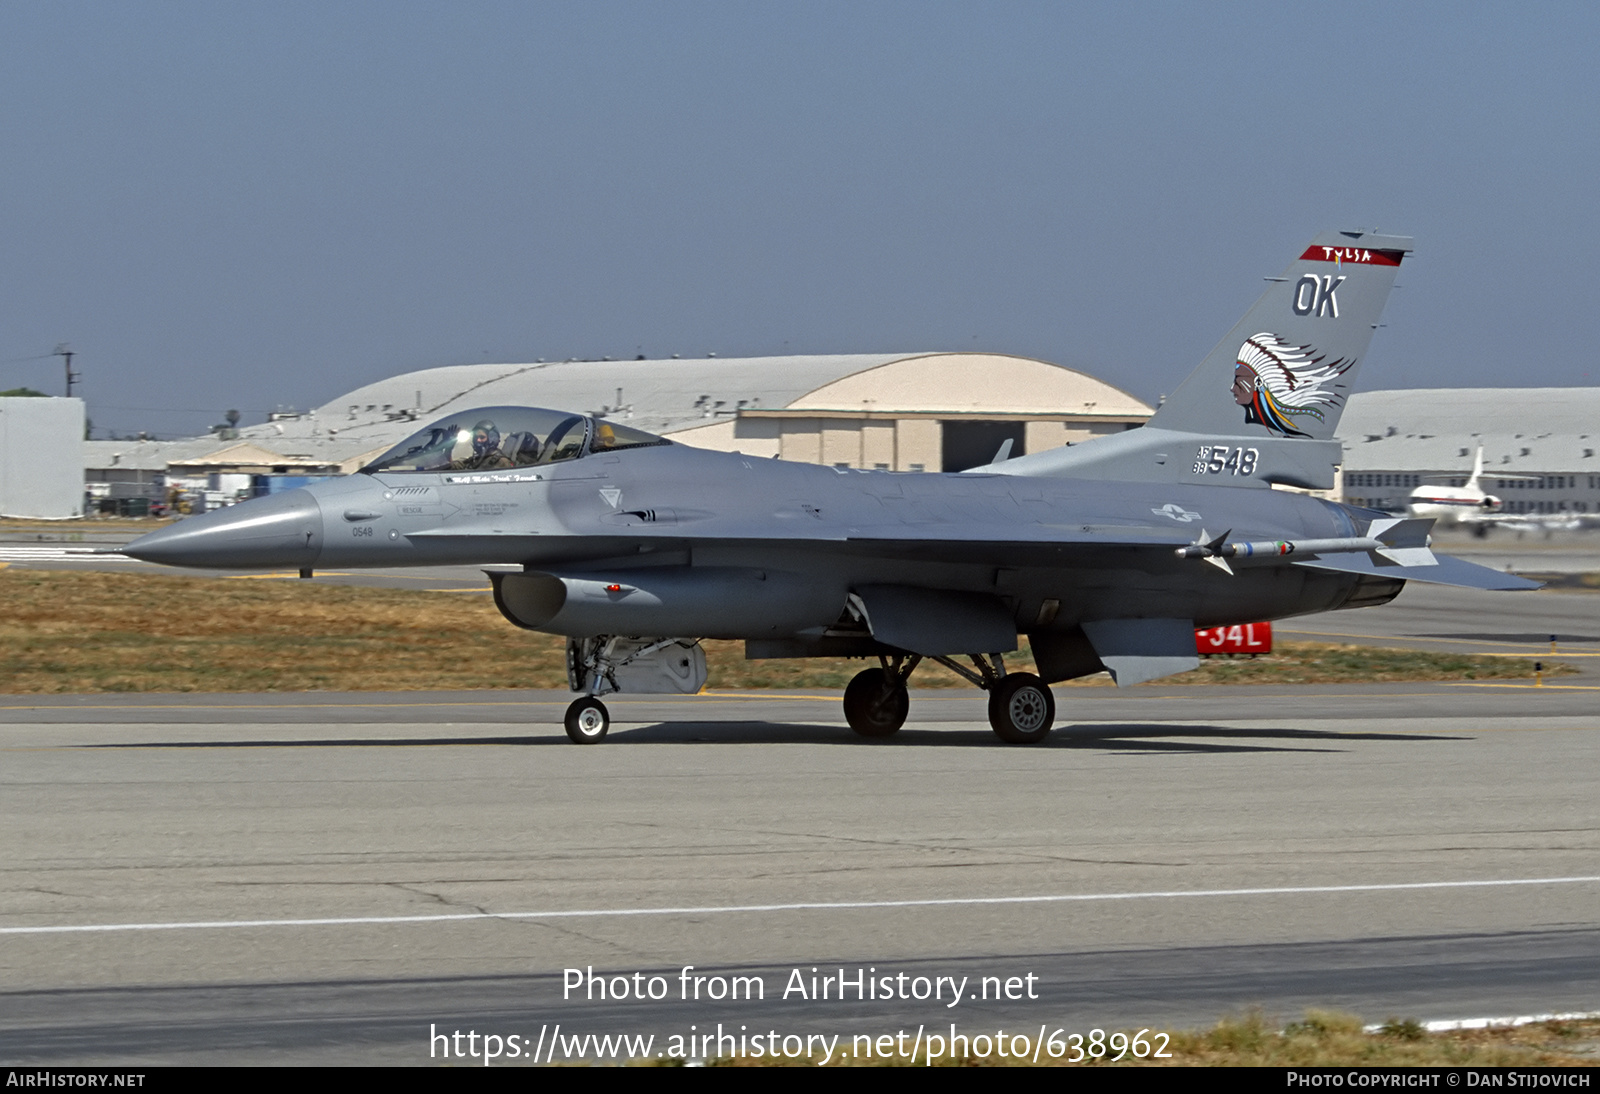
(874, 704)
(587, 721)
(1021, 709)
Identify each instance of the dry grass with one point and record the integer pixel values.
(1329, 1038)
(68, 526)
(75, 632)
(1321, 1039)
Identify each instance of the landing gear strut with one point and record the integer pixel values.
(1021, 708)
(876, 702)
(587, 721)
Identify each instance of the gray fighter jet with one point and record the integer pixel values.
(1106, 554)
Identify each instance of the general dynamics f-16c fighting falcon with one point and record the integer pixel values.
(1106, 554)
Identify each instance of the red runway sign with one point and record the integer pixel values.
(1239, 638)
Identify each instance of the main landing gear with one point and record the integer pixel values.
(876, 701)
(1021, 707)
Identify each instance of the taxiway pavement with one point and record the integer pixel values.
(417, 862)
(328, 877)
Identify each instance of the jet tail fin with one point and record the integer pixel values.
(1264, 403)
(1286, 368)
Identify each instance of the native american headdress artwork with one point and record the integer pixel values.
(1278, 383)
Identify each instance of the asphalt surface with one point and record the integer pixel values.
(327, 878)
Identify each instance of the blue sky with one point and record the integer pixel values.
(228, 205)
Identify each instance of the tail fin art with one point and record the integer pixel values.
(1288, 365)
(1269, 396)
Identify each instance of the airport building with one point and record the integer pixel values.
(1539, 446)
(41, 457)
(900, 412)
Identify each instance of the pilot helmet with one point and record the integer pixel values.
(485, 438)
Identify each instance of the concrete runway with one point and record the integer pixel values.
(1201, 852)
(1173, 853)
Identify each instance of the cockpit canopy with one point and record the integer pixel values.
(495, 437)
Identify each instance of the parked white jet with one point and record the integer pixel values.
(1451, 505)
(1471, 506)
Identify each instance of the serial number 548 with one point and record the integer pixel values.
(1222, 459)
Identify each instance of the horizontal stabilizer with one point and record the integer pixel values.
(1136, 650)
(1444, 571)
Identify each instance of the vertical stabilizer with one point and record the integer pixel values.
(1286, 368)
(1477, 471)
(1262, 407)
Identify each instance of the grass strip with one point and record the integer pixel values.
(71, 632)
(1323, 1038)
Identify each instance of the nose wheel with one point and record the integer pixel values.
(587, 721)
(1021, 709)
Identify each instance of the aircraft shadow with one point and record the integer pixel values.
(1105, 737)
(1135, 737)
(1129, 737)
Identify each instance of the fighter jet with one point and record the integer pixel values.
(1106, 554)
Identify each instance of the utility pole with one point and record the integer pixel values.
(64, 351)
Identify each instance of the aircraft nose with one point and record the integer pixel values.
(278, 530)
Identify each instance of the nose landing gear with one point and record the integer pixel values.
(587, 721)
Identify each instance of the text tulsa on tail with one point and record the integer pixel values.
(1106, 554)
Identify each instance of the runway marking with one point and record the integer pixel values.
(821, 696)
(280, 577)
(1535, 687)
(809, 906)
(58, 554)
(1418, 638)
(1154, 696)
(290, 706)
(1526, 656)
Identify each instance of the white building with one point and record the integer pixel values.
(41, 457)
(1547, 437)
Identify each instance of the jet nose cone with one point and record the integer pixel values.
(279, 530)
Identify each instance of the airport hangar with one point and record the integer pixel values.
(900, 412)
(1546, 437)
(893, 412)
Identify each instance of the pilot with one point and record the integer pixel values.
(604, 437)
(485, 450)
